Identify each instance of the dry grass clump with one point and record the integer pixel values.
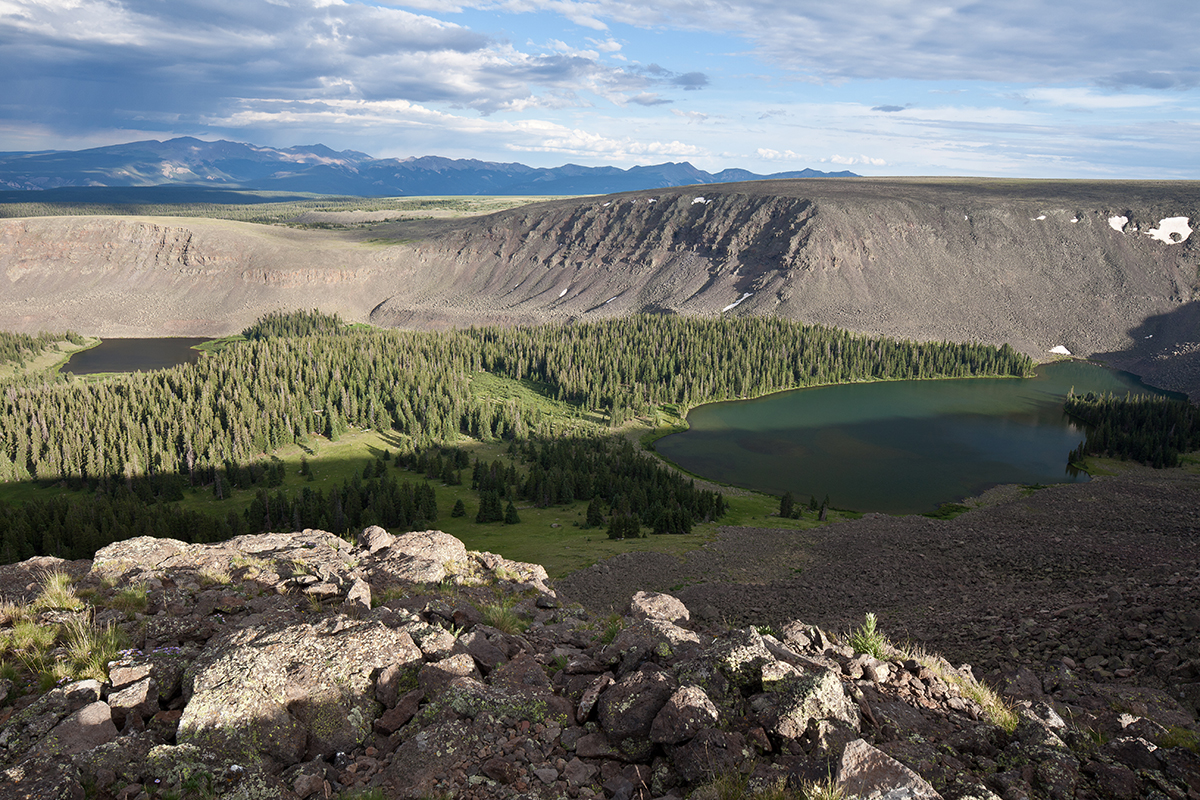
(52, 653)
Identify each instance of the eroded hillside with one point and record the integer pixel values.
(1097, 268)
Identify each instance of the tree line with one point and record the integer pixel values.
(21, 347)
(1147, 428)
(250, 399)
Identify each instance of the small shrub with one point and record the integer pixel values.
(868, 640)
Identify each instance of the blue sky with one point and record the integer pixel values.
(1097, 89)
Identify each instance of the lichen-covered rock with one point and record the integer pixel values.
(649, 638)
(740, 655)
(656, 605)
(686, 713)
(797, 703)
(870, 774)
(417, 557)
(627, 708)
(282, 691)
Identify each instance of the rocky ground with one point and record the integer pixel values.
(1105, 573)
(302, 666)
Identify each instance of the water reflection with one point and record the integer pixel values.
(898, 447)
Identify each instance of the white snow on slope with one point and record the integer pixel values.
(563, 293)
(1171, 230)
(1118, 223)
(737, 302)
(698, 200)
(1059, 350)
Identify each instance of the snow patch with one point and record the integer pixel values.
(1038, 219)
(563, 293)
(606, 205)
(609, 300)
(700, 200)
(1171, 230)
(1118, 223)
(737, 302)
(1059, 350)
(1074, 220)
(652, 200)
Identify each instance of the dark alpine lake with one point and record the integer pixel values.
(133, 355)
(899, 446)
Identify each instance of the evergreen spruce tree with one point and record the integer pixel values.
(510, 514)
(786, 505)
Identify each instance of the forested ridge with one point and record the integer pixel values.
(306, 374)
(20, 347)
(1147, 428)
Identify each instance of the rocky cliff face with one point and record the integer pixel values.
(1097, 268)
(300, 666)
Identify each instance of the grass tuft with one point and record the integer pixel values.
(57, 593)
(501, 616)
(133, 600)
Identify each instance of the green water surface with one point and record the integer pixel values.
(898, 446)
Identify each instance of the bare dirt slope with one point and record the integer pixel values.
(1036, 264)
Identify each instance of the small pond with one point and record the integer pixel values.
(898, 446)
(134, 355)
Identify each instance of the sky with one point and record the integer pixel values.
(1015, 88)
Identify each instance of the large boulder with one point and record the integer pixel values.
(811, 704)
(285, 692)
(418, 557)
(628, 708)
(656, 605)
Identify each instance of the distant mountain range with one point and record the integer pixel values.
(318, 169)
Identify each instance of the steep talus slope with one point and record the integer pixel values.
(117, 276)
(1035, 264)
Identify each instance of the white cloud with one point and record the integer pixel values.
(1090, 99)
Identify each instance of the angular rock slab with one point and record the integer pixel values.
(868, 773)
(656, 605)
(799, 702)
(417, 557)
(287, 692)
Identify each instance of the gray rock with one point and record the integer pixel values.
(686, 713)
(282, 691)
(711, 752)
(140, 698)
(435, 676)
(627, 709)
(797, 703)
(418, 557)
(655, 605)
(579, 773)
(87, 728)
(870, 774)
(358, 599)
(588, 701)
(375, 538)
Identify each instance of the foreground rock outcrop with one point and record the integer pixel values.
(301, 666)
